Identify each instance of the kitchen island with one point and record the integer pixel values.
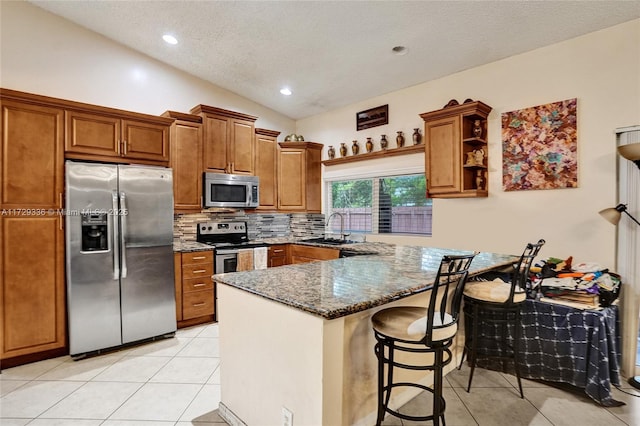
(299, 336)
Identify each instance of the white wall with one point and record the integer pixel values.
(601, 70)
(44, 54)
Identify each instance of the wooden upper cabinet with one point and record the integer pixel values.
(228, 140)
(31, 158)
(214, 154)
(145, 141)
(100, 136)
(266, 167)
(92, 134)
(299, 180)
(242, 147)
(444, 155)
(186, 149)
(456, 151)
(32, 285)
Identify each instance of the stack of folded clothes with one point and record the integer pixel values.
(585, 285)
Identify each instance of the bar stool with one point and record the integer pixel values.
(421, 330)
(497, 304)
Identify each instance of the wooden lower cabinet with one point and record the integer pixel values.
(32, 284)
(304, 254)
(195, 291)
(278, 255)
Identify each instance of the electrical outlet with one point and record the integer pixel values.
(287, 417)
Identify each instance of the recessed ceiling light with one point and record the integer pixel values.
(170, 39)
(285, 91)
(400, 50)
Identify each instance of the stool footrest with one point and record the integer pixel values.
(443, 403)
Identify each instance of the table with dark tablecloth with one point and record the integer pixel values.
(563, 344)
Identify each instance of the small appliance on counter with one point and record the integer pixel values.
(230, 191)
(232, 246)
(119, 247)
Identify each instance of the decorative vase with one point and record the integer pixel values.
(417, 137)
(383, 142)
(355, 148)
(369, 145)
(477, 129)
(479, 181)
(343, 149)
(331, 152)
(400, 139)
(300, 138)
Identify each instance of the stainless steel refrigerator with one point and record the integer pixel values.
(119, 235)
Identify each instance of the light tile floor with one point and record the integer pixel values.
(177, 382)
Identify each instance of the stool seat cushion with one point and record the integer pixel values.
(496, 291)
(409, 323)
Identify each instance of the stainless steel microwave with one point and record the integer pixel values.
(224, 190)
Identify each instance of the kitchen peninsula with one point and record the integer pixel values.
(299, 336)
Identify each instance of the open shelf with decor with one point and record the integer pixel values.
(411, 149)
(456, 150)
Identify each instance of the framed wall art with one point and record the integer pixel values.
(539, 147)
(373, 117)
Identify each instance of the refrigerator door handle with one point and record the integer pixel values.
(123, 221)
(116, 236)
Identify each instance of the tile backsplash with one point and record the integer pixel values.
(259, 225)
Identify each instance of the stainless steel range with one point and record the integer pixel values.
(230, 239)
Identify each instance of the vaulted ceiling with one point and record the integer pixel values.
(334, 53)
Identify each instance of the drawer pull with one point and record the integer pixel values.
(197, 305)
(199, 257)
(200, 271)
(200, 285)
(278, 251)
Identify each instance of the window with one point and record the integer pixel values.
(394, 204)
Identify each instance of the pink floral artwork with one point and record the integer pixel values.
(539, 147)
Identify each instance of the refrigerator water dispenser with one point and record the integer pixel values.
(94, 232)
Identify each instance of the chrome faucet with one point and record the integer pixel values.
(342, 234)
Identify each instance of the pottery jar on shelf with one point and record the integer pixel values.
(369, 145)
(417, 137)
(331, 152)
(400, 139)
(355, 148)
(383, 142)
(477, 129)
(343, 149)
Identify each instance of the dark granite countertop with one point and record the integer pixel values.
(336, 288)
(380, 248)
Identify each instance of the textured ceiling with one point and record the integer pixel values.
(334, 53)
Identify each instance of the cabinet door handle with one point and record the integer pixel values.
(200, 271)
(125, 147)
(60, 222)
(196, 305)
(60, 200)
(200, 285)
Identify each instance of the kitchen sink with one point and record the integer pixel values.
(330, 241)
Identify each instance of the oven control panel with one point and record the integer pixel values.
(208, 228)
